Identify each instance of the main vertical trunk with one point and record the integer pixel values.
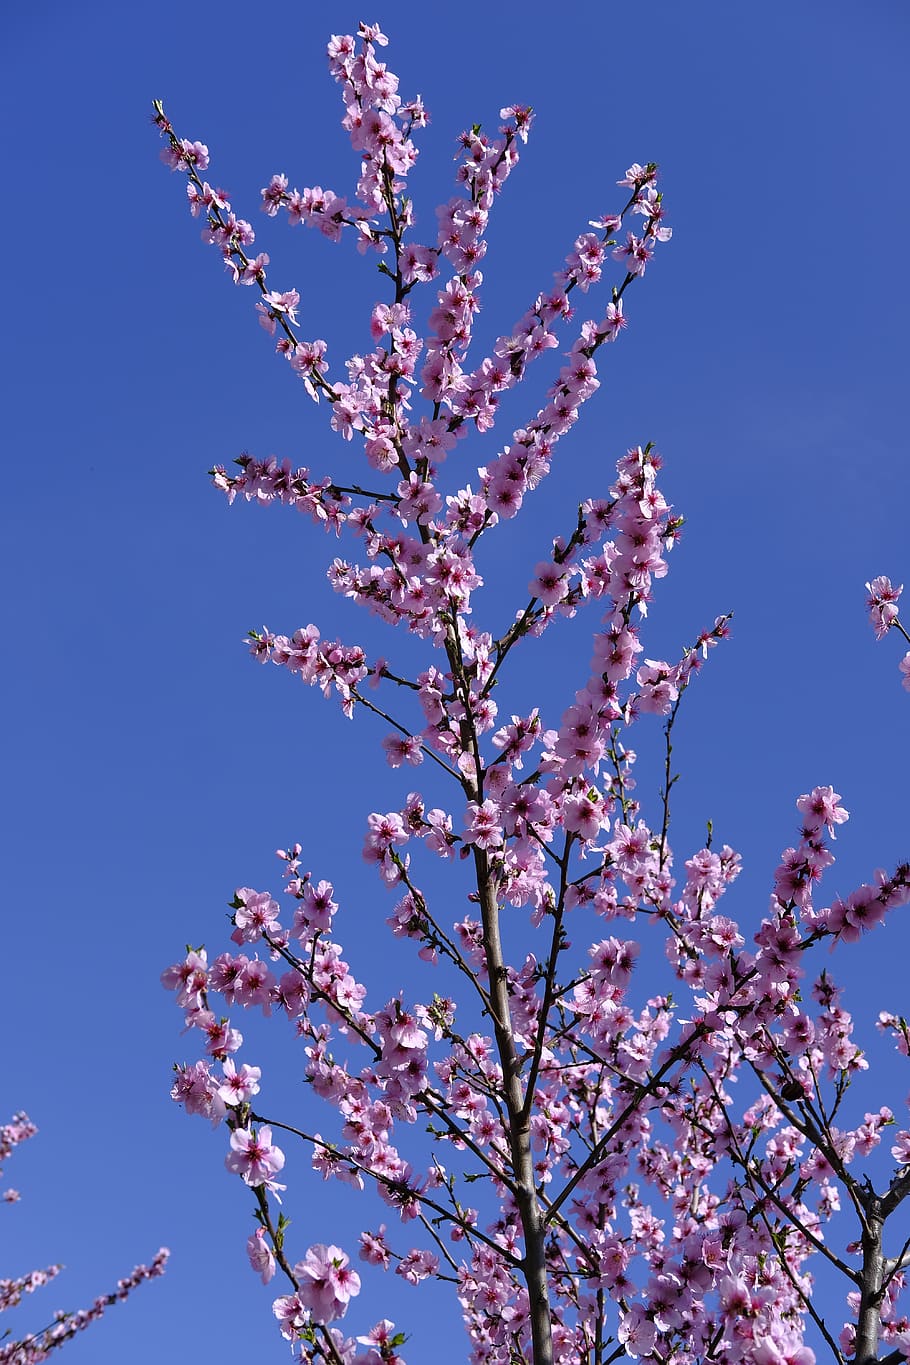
(530, 1212)
(869, 1325)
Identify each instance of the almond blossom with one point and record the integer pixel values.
(620, 1123)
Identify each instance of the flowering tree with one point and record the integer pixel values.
(590, 1185)
(37, 1346)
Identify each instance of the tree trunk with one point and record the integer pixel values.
(868, 1327)
(530, 1212)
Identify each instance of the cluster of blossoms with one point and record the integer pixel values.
(37, 1346)
(625, 1203)
(883, 613)
(609, 1105)
(19, 1129)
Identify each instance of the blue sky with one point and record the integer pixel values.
(152, 767)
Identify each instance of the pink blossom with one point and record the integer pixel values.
(194, 154)
(239, 1086)
(636, 177)
(821, 809)
(197, 1090)
(658, 687)
(584, 814)
(261, 1256)
(901, 1148)
(439, 836)
(549, 583)
(373, 1248)
(417, 1265)
(189, 978)
(635, 255)
(253, 1157)
(327, 1284)
(315, 909)
(221, 1038)
(255, 914)
(614, 321)
(482, 825)
(385, 830)
(403, 749)
(882, 604)
(290, 1314)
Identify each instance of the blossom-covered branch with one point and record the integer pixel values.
(34, 1347)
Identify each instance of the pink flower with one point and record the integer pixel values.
(635, 255)
(222, 1039)
(638, 176)
(261, 1256)
(584, 814)
(253, 1157)
(901, 1149)
(197, 1091)
(864, 910)
(549, 583)
(194, 154)
(316, 909)
(290, 1314)
(373, 1248)
(418, 263)
(658, 687)
(614, 321)
(637, 1332)
(239, 1086)
(274, 194)
(255, 914)
(326, 1283)
(882, 604)
(439, 837)
(188, 978)
(403, 749)
(482, 826)
(384, 831)
(820, 808)
(417, 1265)
(276, 305)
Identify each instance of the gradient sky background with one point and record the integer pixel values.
(151, 767)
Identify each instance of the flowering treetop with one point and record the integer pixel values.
(591, 1188)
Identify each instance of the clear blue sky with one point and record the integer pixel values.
(151, 767)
